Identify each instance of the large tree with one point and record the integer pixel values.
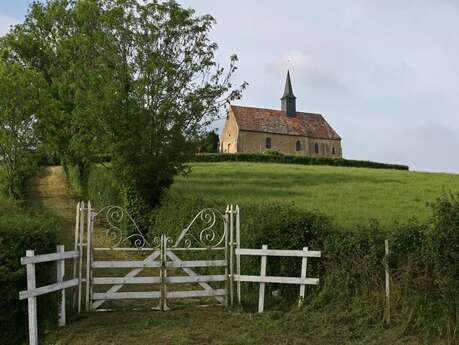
(23, 98)
(133, 80)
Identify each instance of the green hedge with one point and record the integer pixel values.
(423, 261)
(19, 232)
(290, 159)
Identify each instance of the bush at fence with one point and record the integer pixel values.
(291, 159)
(423, 260)
(19, 232)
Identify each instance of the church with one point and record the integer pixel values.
(255, 130)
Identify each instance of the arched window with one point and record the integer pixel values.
(333, 150)
(316, 147)
(298, 145)
(229, 148)
(268, 143)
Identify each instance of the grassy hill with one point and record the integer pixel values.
(351, 195)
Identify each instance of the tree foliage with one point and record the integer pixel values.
(130, 79)
(23, 99)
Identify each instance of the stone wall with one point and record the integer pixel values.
(255, 142)
(229, 137)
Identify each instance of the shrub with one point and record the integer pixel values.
(291, 159)
(18, 233)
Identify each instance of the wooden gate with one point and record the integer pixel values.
(125, 269)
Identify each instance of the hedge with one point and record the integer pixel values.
(290, 159)
(19, 232)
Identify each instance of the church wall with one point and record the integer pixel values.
(229, 137)
(255, 142)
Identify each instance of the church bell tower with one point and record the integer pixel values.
(288, 100)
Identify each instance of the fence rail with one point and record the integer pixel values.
(32, 291)
(264, 252)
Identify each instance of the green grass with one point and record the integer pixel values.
(350, 195)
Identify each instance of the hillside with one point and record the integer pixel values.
(351, 195)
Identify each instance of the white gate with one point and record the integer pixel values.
(125, 269)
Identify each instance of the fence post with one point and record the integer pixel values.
(261, 297)
(238, 257)
(226, 256)
(80, 265)
(32, 301)
(386, 267)
(231, 255)
(75, 248)
(304, 266)
(60, 271)
(88, 257)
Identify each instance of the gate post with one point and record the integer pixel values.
(231, 255)
(226, 228)
(89, 258)
(163, 273)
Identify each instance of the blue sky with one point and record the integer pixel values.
(384, 73)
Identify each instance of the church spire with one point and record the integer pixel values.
(288, 100)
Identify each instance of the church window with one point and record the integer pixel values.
(268, 143)
(316, 147)
(298, 145)
(333, 150)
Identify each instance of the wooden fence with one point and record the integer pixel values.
(263, 279)
(33, 291)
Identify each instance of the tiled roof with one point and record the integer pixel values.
(277, 122)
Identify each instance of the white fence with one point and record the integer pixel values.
(33, 291)
(263, 279)
(163, 254)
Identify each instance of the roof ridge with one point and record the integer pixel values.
(276, 110)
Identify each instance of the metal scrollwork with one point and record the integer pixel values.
(208, 235)
(120, 228)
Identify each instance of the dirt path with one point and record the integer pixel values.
(49, 193)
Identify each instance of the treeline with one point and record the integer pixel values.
(292, 159)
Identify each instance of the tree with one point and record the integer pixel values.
(22, 99)
(133, 80)
(208, 143)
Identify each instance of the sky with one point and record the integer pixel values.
(385, 74)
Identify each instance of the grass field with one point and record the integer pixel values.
(350, 195)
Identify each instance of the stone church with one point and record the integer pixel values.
(254, 130)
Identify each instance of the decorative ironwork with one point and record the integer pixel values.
(120, 228)
(208, 235)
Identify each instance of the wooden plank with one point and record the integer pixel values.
(49, 257)
(125, 295)
(231, 256)
(196, 293)
(196, 263)
(151, 258)
(304, 265)
(32, 301)
(190, 272)
(125, 264)
(60, 272)
(80, 265)
(88, 257)
(261, 296)
(125, 280)
(47, 289)
(279, 252)
(278, 280)
(387, 274)
(238, 257)
(195, 279)
(225, 227)
(75, 248)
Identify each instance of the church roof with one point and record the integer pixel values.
(275, 121)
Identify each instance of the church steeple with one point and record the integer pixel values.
(288, 100)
